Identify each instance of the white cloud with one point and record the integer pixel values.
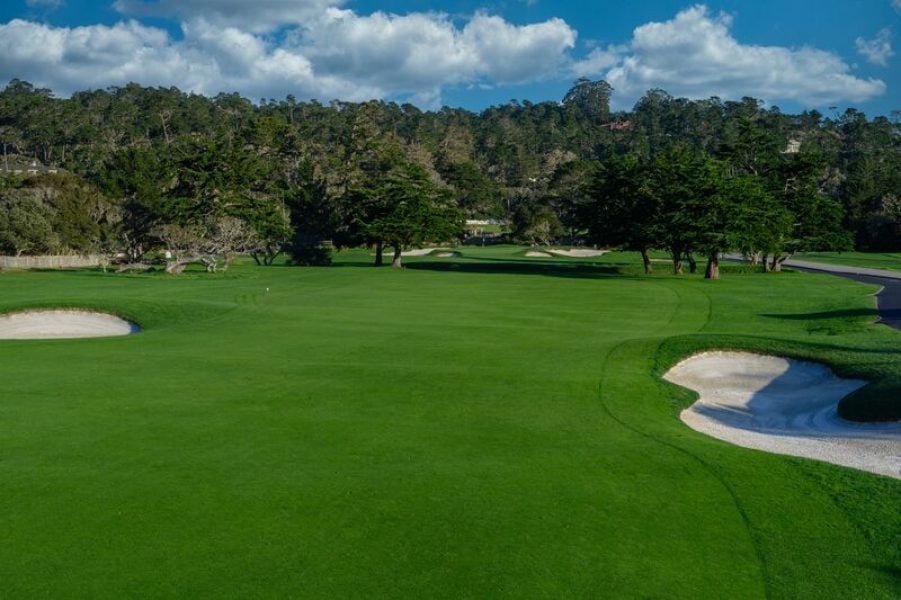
(512, 54)
(257, 16)
(426, 50)
(324, 51)
(598, 61)
(337, 54)
(695, 55)
(879, 49)
(208, 60)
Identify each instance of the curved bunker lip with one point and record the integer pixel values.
(783, 406)
(46, 324)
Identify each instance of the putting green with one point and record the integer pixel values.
(479, 426)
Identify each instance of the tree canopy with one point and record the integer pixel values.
(135, 166)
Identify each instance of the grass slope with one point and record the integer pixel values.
(872, 260)
(488, 426)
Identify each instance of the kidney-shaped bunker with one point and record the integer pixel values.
(783, 406)
(62, 324)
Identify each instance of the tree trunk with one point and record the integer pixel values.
(677, 263)
(378, 254)
(692, 263)
(713, 267)
(396, 262)
(177, 266)
(776, 263)
(165, 128)
(646, 261)
(210, 263)
(271, 255)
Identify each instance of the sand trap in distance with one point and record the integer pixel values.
(580, 252)
(536, 254)
(62, 324)
(389, 251)
(783, 406)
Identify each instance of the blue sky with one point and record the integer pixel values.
(469, 53)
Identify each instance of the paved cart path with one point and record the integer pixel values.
(888, 301)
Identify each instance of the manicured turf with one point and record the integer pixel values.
(872, 260)
(489, 426)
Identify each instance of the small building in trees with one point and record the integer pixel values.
(793, 147)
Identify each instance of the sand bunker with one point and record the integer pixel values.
(59, 324)
(580, 252)
(423, 251)
(786, 407)
(389, 252)
(536, 254)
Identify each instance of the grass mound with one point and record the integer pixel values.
(879, 401)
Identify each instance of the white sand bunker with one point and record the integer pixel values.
(537, 254)
(786, 407)
(580, 252)
(59, 324)
(389, 251)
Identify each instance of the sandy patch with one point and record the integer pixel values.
(59, 324)
(580, 253)
(446, 254)
(388, 251)
(536, 254)
(784, 406)
(423, 251)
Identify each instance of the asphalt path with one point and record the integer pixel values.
(888, 301)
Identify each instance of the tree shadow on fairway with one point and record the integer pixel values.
(514, 267)
(829, 314)
(887, 316)
(890, 570)
(353, 263)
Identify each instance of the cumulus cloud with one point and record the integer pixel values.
(695, 55)
(339, 54)
(879, 49)
(598, 61)
(317, 49)
(423, 51)
(257, 16)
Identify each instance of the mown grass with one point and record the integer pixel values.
(483, 426)
(872, 260)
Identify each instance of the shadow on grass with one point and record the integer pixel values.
(887, 316)
(520, 267)
(829, 314)
(890, 570)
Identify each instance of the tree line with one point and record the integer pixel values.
(144, 170)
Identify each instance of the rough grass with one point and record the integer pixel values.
(486, 426)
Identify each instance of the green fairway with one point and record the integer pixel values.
(872, 260)
(475, 427)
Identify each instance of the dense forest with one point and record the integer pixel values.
(133, 172)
